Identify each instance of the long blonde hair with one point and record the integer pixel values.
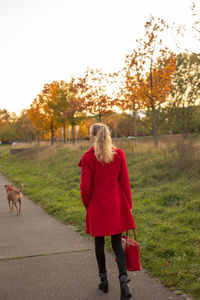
(103, 148)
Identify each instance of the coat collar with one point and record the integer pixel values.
(91, 149)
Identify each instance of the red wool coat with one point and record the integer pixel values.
(106, 194)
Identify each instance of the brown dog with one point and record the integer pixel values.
(14, 197)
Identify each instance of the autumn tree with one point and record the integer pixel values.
(37, 117)
(54, 104)
(7, 131)
(112, 120)
(74, 113)
(98, 103)
(4, 119)
(14, 128)
(24, 128)
(185, 92)
(128, 98)
(48, 101)
(83, 131)
(61, 104)
(152, 64)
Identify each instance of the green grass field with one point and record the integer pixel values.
(166, 199)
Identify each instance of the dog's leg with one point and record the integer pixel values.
(17, 209)
(9, 204)
(12, 206)
(20, 205)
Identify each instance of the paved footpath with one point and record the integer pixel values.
(42, 258)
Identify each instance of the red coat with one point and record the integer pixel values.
(106, 194)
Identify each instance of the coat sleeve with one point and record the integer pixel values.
(85, 185)
(124, 179)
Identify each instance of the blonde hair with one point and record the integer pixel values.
(103, 148)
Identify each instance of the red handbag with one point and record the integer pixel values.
(132, 251)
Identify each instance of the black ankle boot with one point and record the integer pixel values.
(125, 291)
(104, 282)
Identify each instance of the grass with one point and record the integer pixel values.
(166, 199)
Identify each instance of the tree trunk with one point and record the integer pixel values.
(99, 118)
(184, 122)
(52, 133)
(73, 137)
(154, 126)
(185, 133)
(154, 119)
(64, 134)
(38, 138)
(134, 126)
(115, 132)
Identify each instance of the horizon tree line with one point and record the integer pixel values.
(154, 82)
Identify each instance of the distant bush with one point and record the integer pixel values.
(184, 155)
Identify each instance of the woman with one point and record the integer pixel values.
(106, 195)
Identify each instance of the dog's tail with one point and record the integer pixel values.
(22, 187)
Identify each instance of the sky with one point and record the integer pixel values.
(46, 40)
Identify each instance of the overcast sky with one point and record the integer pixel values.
(46, 40)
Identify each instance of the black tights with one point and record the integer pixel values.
(119, 252)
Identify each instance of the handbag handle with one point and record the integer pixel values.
(127, 236)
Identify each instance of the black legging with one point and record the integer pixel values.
(119, 252)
